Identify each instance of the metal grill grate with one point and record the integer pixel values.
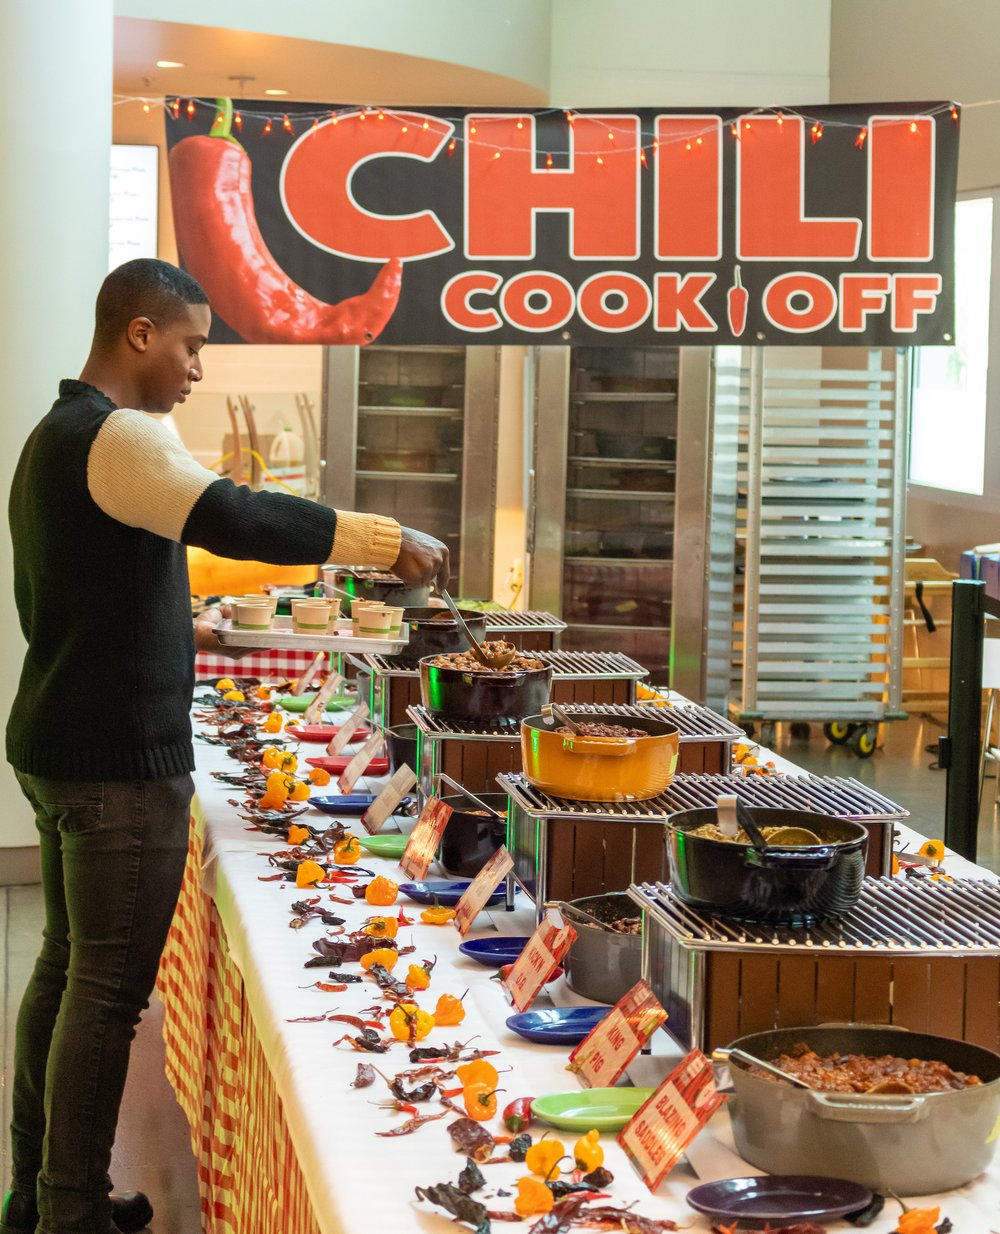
(843, 798)
(567, 665)
(441, 727)
(895, 918)
(520, 623)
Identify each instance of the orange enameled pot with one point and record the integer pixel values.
(599, 768)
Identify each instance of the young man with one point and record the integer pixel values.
(104, 500)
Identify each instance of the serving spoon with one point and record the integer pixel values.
(732, 814)
(472, 797)
(555, 712)
(751, 1060)
(495, 660)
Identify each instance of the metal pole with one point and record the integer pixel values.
(959, 751)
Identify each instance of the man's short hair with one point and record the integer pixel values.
(143, 287)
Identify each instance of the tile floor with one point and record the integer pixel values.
(153, 1150)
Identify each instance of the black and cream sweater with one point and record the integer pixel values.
(102, 504)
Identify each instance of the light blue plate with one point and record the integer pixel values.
(557, 1025)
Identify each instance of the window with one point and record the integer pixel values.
(948, 411)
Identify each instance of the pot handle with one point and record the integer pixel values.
(853, 1108)
(792, 858)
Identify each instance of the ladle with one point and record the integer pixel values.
(472, 797)
(733, 814)
(556, 713)
(495, 660)
(750, 1060)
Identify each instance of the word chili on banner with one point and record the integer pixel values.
(602, 1057)
(425, 838)
(478, 892)
(342, 737)
(381, 808)
(543, 954)
(656, 1136)
(355, 769)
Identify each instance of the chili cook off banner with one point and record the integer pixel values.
(637, 226)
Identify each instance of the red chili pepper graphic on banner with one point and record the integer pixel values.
(221, 245)
(736, 305)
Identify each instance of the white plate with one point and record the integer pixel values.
(281, 637)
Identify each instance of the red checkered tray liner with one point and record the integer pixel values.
(264, 664)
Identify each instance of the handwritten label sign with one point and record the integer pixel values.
(355, 769)
(314, 712)
(656, 1136)
(343, 735)
(380, 809)
(425, 838)
(300, 686)
(478, 892)
(544, 953)
(602, 1057)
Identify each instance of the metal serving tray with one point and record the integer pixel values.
(281, 637)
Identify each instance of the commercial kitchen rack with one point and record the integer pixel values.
(918, 954)
(577, 677)
(818, 627)
(475, 752)
(564, 848)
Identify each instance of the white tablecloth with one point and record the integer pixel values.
(359, 1183)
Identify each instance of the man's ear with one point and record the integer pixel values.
(139, 333)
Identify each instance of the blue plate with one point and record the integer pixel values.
(445, 893)
(557, 1025)
(493, 952)
(353, 803)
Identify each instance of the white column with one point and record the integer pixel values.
(56, 60)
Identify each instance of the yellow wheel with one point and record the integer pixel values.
(838, 732)
(863, 740)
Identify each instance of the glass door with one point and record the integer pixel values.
(613, 493)
(410, 432)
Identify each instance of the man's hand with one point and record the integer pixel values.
(422, 560)
(205, 638)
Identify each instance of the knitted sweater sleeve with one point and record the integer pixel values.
(140, 474)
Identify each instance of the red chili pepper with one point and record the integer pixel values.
(221, 245)
(517, 1114)
(736, 304)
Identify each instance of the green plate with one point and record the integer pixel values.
(299, 703)
(607, 1109)
(384, 846)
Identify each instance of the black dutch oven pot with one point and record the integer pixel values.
(919, 1144)
(385, 588)
(434, 632)
(483, 695)
(401, 747)
(471, 838)
(788, 885)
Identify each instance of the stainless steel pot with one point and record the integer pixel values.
(602, 964)
(912, 1145)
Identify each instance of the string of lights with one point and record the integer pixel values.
(298, 122)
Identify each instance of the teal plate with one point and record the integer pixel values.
(299, 703)
(384, 846)
(607, 1109)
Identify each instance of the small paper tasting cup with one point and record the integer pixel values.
(375, 623)
(309, 617)
(396, 625)
(252, 616)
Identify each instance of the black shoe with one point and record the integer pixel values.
(131, 1212)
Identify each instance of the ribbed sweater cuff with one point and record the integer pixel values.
(365, 540)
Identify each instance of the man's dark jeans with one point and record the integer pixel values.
(113, 856)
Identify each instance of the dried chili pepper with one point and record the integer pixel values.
(461, 1206)
(368, 1041)
(471, 1178)
(608, 1217)
(364, 1076)
(346, 978)
(412, 1124)
(422, 1092)
(471, 1139)
(519, 1145)
(221, 245)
